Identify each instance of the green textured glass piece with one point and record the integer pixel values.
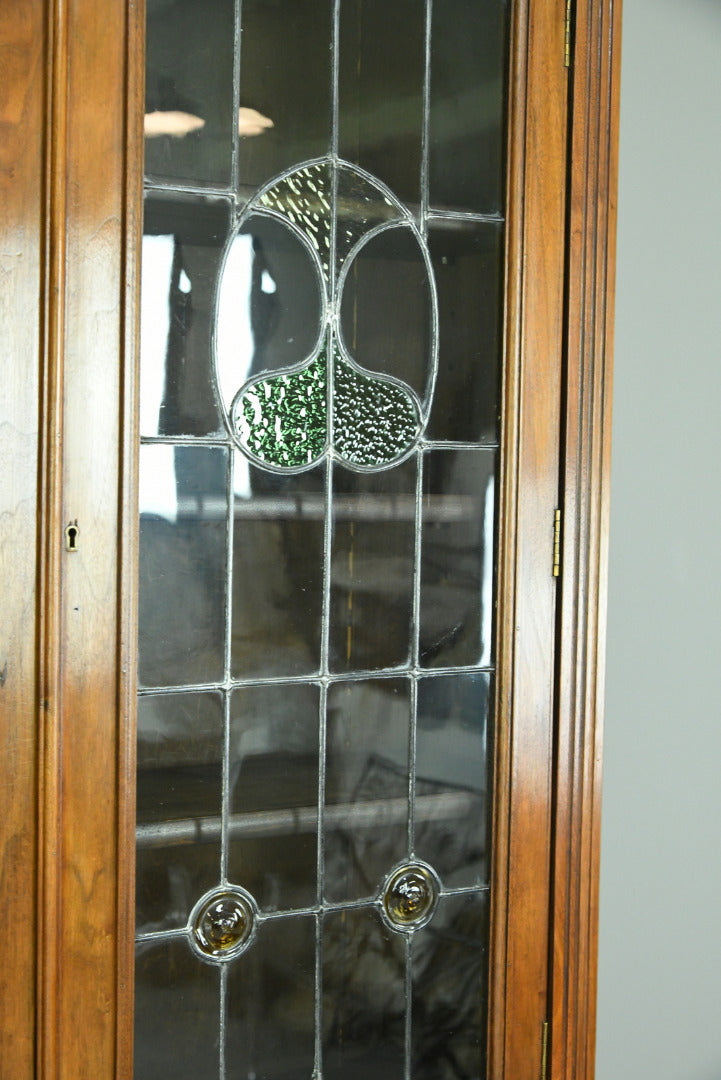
(281, 419)
(374, 420)
(304, 197)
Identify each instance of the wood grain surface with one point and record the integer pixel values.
(22, 105)
(527, 590)
(593, 182)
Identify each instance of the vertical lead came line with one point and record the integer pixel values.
(225, 807)
(225, 797)
(426, 133)
(327, 543)
(415, 650)
(235, 153)
(409, 1010)
(227, 688)
(415, 654)
(223, 1016)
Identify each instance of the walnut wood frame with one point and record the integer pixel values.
(70, 170)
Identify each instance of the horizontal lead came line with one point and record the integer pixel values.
(364, 507)
(304, 819)
(331, 907)
(464, 216)
(222, 441)
(317, 679)
(243, 193)
(346, 208)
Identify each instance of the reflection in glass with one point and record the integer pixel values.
(177, 1001)
(196, 81)
(467, 105)
(381, 96)
(269, 1027)
(363, 997)
(277, 572)
(305, 198)
(366, 792)
(180, 751)
(361, 206)
(182, 249)
(273, 793)
(453, 773)
(183, 508)
(457, 558)
(372, 563)
(466, 261)
(386, 309)
(285, 73)
(450, 991)
(269, 304)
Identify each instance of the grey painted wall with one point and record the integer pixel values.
(660, 941)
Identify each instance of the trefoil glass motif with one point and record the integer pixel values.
(349, 408)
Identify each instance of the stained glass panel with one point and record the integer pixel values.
(320, 401)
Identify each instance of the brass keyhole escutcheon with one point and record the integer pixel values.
(71, 536)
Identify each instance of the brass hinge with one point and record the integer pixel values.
(557, 543)
(567, 35)
(544, 1051)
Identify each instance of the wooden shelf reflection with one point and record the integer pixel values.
(376, 813)
(442, 508)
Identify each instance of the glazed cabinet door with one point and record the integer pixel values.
(301, 267)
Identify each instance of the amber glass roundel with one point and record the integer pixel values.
(222, 924)
(410, 896)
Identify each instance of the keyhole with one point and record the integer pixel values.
(71, 536)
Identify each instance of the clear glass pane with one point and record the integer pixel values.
(364, 999)
(182, 251)
(467, 268)
(189, 90)
(179, 801)
(456, 618)
(381, 100)
(372, 568)
(273, 793)
(183, 524)
(387, 311)
(270, 1018)
(450, 991)
(452, 808)
(177, 999)
(277, 572)
(285, 76)
(468, 57)
(366, 788)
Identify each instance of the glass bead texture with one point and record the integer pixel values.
(410, 896)
(223, 923)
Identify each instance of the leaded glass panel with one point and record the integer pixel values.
(320, 368)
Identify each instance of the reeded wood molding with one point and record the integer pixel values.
(86, 636)
(128, 534)
(587, 429)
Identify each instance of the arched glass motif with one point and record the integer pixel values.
(336, 400)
